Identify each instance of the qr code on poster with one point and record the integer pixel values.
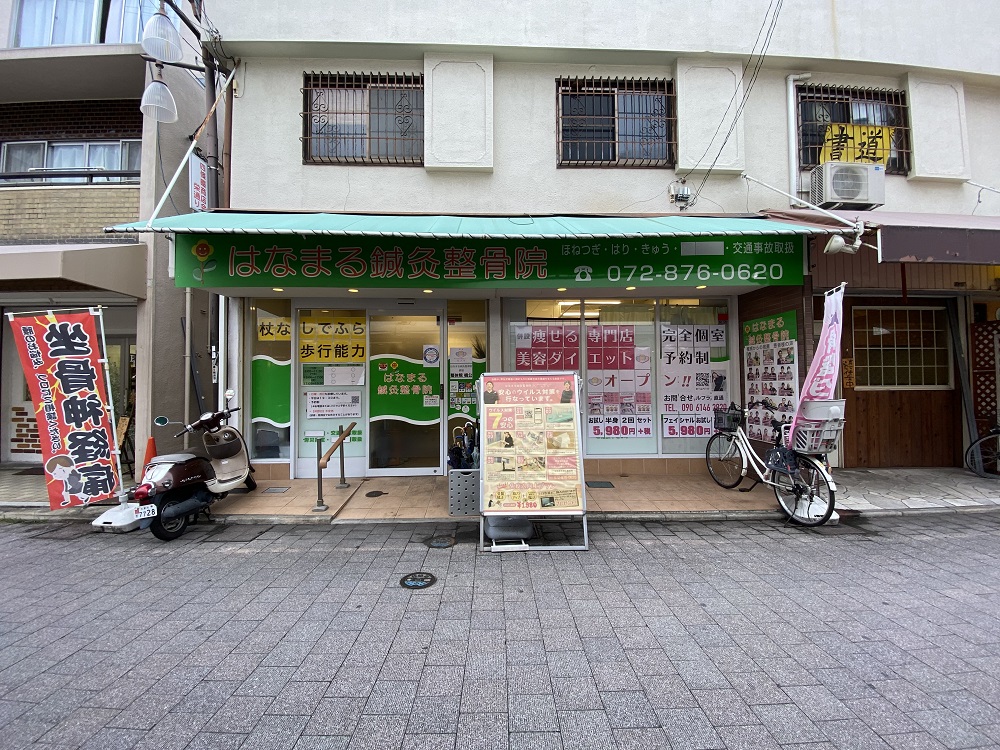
(702, 379)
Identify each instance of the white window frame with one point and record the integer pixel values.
(907, 308)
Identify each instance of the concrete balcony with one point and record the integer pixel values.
(73, 72)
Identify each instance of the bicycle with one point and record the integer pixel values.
(981, 456)
(802, 483)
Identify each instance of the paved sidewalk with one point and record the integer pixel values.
(879, 635)
(639, 497)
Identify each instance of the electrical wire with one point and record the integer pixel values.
(733, 97)
(746, 96)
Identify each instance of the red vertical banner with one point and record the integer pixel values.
(64, 366)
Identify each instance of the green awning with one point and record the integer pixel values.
(477, 227)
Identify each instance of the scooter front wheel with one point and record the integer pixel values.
(170, 528)
(250, 482)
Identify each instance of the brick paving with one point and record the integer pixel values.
(880, 633)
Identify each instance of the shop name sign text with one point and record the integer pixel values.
(262, 260)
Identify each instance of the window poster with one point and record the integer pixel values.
(770, 362)
(332, 338)
(619, 383)
(530, 447)
(463, 369)
(694, 367)
(546, 346)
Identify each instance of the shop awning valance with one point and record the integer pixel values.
(914, 237)
(473, 227)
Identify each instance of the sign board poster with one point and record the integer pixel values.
(770, 372)
(61, 353)
(530, 443)
(694, 368)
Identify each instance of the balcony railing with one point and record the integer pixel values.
(79, 175)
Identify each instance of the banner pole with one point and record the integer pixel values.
(98, 312)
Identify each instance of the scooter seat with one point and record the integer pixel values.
(172, 458)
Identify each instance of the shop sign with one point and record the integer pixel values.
(63, 364)
(404, 388)
(771, 375)
(870, 144)
(693, 374)
(377, 262)
(847, 368)
(530, 443)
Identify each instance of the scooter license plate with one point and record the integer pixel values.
(145, 511)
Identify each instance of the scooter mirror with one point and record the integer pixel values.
(161, 421)
(230, 394)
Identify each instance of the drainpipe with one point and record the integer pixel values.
(793, 141)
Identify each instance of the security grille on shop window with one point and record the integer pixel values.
(361, 118)
(868, 126)
(616, 123)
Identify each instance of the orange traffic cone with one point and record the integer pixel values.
(150, 453)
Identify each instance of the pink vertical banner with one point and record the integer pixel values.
(821, 380)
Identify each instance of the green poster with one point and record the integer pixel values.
(380, 262)
(404, 388)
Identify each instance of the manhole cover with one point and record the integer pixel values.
(276, 490)
(375, 493)
(440, 542)
(417, 580)
(600, 485)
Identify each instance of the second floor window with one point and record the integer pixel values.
(624, 123)
(866, 126)
(362, 118)
(89, 158)
(44, 23)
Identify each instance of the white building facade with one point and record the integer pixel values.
(427, 192)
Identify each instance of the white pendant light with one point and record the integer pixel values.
(157, 101)
(160, 38)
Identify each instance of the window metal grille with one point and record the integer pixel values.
(361, 118)
(853, 125)
(616, 123)
(902, 347)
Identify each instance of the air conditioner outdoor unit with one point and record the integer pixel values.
(835, 183)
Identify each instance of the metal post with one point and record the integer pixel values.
(343, 482)
(320, 506)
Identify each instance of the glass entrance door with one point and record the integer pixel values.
(405, 426)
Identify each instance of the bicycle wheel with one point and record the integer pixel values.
(981, 456)
(805, 497)
(725, 460)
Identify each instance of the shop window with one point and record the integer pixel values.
(40, 161)
(623, 123)
(853, 125)
(270, 378)
(466, 346)
(695, 371)
(902, 347)
(363, 119)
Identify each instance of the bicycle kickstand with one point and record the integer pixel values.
(750, 488)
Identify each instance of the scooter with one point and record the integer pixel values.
(176, 487)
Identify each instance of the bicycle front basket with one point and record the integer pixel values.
(728, 420)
